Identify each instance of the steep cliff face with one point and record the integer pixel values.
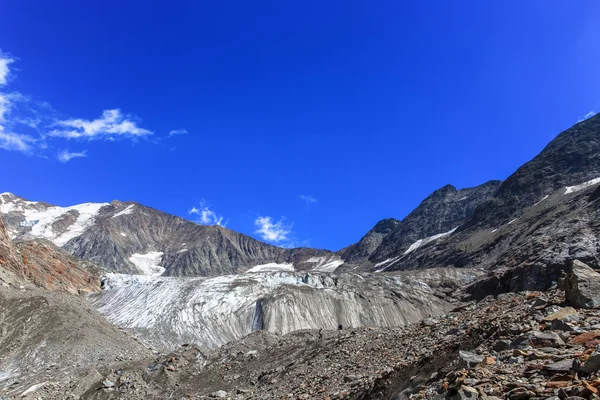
(543, 214)
(444, 210)
(571, 158)
(169, 311)
(11, 268)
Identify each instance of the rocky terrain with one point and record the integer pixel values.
(49, 335)
(542, 214)
(444, 210)
(482, 293)
(529, 345)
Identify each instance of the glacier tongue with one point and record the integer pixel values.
(168, 311)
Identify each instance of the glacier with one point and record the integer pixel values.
(165, 312)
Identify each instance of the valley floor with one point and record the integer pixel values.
(518, 346)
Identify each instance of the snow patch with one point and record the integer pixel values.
(148, 263)
(33, 389)
(585, 185)
(329, 267)
(41, 221)
(388, 261)
(325, 264)
(123, 234)
(542, 199)
(494, 230)
(182, 251)
(271, 267)
(463, 198)
(512, 221)
(426, 240)
(128, 210)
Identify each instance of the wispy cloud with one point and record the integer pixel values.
(588, 116)
(176, 132)
(34, 127)
(112, 124)
(206, 216)
(5, 60)
(15, 142)
(308, 199)
(275, 232)
(65, 156)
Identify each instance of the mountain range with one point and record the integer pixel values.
(473, 227)
(92, 289)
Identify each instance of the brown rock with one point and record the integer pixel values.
(489, 361)
(561, 314)
(558, 384)
(585, 337)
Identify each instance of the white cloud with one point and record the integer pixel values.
(176, 132)
(588, 116)
(206, 216)
(276, 232)
(66, 156)
(112, 124)
(16, 142)
(34, 127)
(5, 60)
(10, 140)
(308, 199)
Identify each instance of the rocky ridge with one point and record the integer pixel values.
(125, 236)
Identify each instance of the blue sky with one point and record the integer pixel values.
(298, 123)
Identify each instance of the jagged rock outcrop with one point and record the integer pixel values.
(572, 158)
(543, 215)
(11, 268)
(52, 268)
(582, 286)
(444, 210)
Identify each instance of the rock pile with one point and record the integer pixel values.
(518, 346)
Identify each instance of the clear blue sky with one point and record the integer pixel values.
(365, 106)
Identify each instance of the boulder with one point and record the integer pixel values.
(582, 287)
(466, 359)
(592, 364)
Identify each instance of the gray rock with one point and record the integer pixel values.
(560, 366)
(501, 345)
(521, 342)
(466, 393)
(582, 286)
(592, 364)
(466, 359)
(545, 338)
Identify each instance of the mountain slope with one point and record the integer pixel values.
(128, 237)
(444, 210)
(542, 214)
(572, 158)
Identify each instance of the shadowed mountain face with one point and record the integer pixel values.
(131, 238)
(444, 210)
(544, 213)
